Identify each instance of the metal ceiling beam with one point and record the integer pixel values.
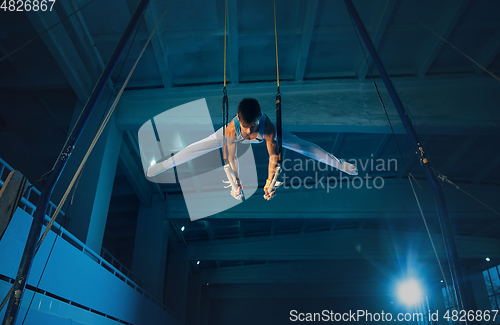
(269, 31)
(336, 106)
(344, 245)
(337, 142)
(454, 159)
(18, 289)
(443, 216)
(484, 172)
(489, 52)
(218, 32)
(385, 14)
(381, 145)
(324, 215)
(338, 31)
(449, 20)
(82, 39)
(160, 50)
(305, 43)
(61, 45)
(354, 291)
(377, 203)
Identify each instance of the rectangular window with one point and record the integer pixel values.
(450, 301)
(492, 280)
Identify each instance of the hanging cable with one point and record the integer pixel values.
(99, 132)
(225, 35)
(444, 178)
(277, 170)
(276, 42)
(379, 95)
(74, 189)
(8, 55)
(409, 174)
(446, 41)
(432, 242)
(107, 104)
(6, 298)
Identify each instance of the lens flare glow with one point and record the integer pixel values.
(409, 292)
(153, 162)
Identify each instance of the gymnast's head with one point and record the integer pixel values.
(249, 114)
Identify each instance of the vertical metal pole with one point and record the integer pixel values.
(43, 201)
(444, 220)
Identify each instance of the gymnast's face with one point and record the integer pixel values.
(249, 128)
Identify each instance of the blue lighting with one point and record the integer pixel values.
(409, 292)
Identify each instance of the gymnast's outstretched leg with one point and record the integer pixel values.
(194, 150)
(315, 152)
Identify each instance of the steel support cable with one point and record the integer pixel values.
(74, 192)
(432, 242)
(276, 42)
(99, 132)
(46, 192)
(379, 95)
(445, 179)
(443, 216)
(440, 176)
(107, 104)
(8, 55)
(402, 157)
(94, 141)
(447, 42)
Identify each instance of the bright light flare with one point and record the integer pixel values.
(153, 162)
(409, 292)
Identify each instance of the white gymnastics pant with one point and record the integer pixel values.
(214, 141)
